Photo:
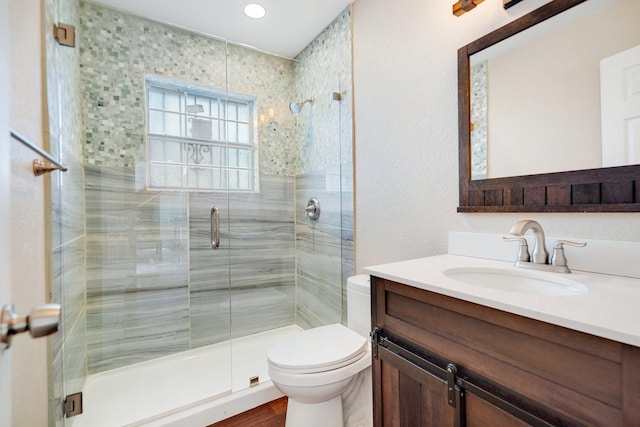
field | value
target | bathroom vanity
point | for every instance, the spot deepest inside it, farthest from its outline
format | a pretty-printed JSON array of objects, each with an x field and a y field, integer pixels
[{"x": 449, "y": 352}]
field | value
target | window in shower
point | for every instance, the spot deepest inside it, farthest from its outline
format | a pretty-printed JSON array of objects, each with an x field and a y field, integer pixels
[{"x": 199, "y": 138}]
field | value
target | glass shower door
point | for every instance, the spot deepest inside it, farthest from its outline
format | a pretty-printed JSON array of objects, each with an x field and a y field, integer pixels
[
  {"x": 146, "y": 305},
  {"x": 262, "y": 153}
]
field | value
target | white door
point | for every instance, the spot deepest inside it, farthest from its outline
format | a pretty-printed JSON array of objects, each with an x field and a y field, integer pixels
[
  {"x": 23, "y": 368},
  {"x": 620, "y": 104},
  {"x": 5, "y": 290}
]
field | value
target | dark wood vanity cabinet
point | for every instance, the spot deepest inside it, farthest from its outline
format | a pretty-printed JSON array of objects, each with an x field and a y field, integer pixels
[{"x": 504, "y": 369}]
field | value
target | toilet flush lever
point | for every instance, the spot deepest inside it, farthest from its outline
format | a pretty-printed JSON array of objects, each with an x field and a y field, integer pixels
[{"x": 42, "y": 321}]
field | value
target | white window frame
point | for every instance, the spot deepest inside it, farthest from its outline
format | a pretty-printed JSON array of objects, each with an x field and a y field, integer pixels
[{"x": 219, "y": 160}]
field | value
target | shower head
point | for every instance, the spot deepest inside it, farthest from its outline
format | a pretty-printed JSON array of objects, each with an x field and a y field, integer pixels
[{"x": 296, "y": 107}]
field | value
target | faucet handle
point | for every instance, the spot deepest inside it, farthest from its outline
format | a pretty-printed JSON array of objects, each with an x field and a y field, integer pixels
[
  {"x": 558, "y": 258},
  {"x": 523, "y": 249}
]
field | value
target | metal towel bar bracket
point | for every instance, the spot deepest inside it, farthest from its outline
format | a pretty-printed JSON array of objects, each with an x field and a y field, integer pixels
[{"x": 40, "y": 168}]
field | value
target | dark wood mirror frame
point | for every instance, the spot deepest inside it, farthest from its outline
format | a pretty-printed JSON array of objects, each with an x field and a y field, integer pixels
[{"x": 612, "y": 189}]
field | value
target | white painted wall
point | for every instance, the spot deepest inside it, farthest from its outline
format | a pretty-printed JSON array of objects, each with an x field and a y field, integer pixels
[
  {"x": 406, "y": 149},
  {"x": 5, "y": 279},
  {"x": 29, "y": 368}
]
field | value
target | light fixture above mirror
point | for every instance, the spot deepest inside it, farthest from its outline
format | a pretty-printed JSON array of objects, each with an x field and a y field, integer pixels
[{"x": 463, "y": 6}]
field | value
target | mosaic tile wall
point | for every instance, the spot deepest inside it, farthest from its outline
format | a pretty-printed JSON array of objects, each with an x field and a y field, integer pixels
[
  {"x": 479, "y": 97},
  {"x": 324, "y": 128},
  {"x": 117, "y": 49},
  {"x": 68, "y": 352}
]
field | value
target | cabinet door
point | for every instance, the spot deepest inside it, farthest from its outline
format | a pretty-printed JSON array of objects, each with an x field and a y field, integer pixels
[
  {"x": 481, "y": 413},
  {"x": 408, "y": 396}
]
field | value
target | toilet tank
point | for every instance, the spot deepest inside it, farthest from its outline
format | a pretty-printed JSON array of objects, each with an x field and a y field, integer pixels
[{"x": 359, "y": 304}]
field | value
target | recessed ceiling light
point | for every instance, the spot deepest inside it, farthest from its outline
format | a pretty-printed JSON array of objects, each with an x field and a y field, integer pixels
[{"x": 254, "y": 10}]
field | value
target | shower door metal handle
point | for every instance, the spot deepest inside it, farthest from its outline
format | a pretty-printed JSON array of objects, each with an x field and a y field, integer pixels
[{"x": 215, "y": 227}]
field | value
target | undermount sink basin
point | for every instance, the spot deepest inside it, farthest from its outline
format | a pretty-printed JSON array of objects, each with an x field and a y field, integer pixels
[{"x": 527, "y": 282}]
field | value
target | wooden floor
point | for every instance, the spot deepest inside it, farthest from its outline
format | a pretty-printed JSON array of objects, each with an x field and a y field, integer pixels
[{"x": 270, "y": 414}]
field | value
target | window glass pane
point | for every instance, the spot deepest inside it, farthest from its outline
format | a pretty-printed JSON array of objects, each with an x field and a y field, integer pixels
[
  {"x": 156, "y": 177},
  {"x": 167, "y": 176},
  {"x": 215, "y": 130},
  {"x": 222, "y": 109},
  {"x": 207, "y": 122},
  {"x": 201, "y": 128},
  {"x": 243, "y": 158},
  {"x": 156, "y": 149},
  {"x": 205, "y": 178},
  {"x": 232, "y": 132},
  {"x": 243, "y": 133},
  {"x": 214, "y": 107},
  {"x": 224, "y": 178},
  {"x": 243, "y": 113},
  {"x": 206, "y": 106},
  {"x": 155, "y": 98},
  {"x": 244, "y": 182},
  {"x": 205, "y": 155},
  {"x": 172, "y": 124},
  {"x": 192, "y": 105},
  {"x": 190, "y": 153},
  {"x": 233, "y": 179},
  {"x": 223, "y": 131},
  {"x": 192, "y": 177},
  {"x": 223, "y": 157},
  {"x": 215, "y": 156},
  {"x": 232, "y": 111},
  {"x": 233, "y": 157},
  {"x": 172, "y": 101},
  {"x": 173, "y": 152},
  {"x": 156, "y": 122}
]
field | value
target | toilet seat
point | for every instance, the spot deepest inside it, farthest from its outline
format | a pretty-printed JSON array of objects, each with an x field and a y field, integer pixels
[{"x": 318, "y": 350}]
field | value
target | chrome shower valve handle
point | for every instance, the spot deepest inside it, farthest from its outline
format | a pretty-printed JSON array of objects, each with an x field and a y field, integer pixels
[{"x": 312, "y": 211}]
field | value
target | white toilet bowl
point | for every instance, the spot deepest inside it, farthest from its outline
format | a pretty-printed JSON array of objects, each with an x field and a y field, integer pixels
[{"x": 314, "y": 368}]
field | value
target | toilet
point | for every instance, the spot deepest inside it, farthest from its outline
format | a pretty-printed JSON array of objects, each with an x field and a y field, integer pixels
[{"x": 326, "y": 371}]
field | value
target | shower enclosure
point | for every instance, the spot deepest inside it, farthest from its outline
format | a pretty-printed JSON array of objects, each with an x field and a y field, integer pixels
[{"x": 174, "y": 140}]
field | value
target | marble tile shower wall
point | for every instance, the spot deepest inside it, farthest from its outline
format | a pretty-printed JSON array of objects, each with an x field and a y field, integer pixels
[
  {"x": 68, "y": 354},
  {"x": 324, "y": 249},
  {"x": 155, "y": 286}
]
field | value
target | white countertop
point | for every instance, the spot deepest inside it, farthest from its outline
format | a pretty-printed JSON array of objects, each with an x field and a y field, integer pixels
[{"x": 610, "y": 308}]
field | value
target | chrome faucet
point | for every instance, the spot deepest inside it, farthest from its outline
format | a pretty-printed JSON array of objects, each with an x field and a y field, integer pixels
[{"x": 539, "y": 258}]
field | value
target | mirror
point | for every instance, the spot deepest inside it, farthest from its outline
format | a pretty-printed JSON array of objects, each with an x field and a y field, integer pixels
[{"x": 530, "y": 111}]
